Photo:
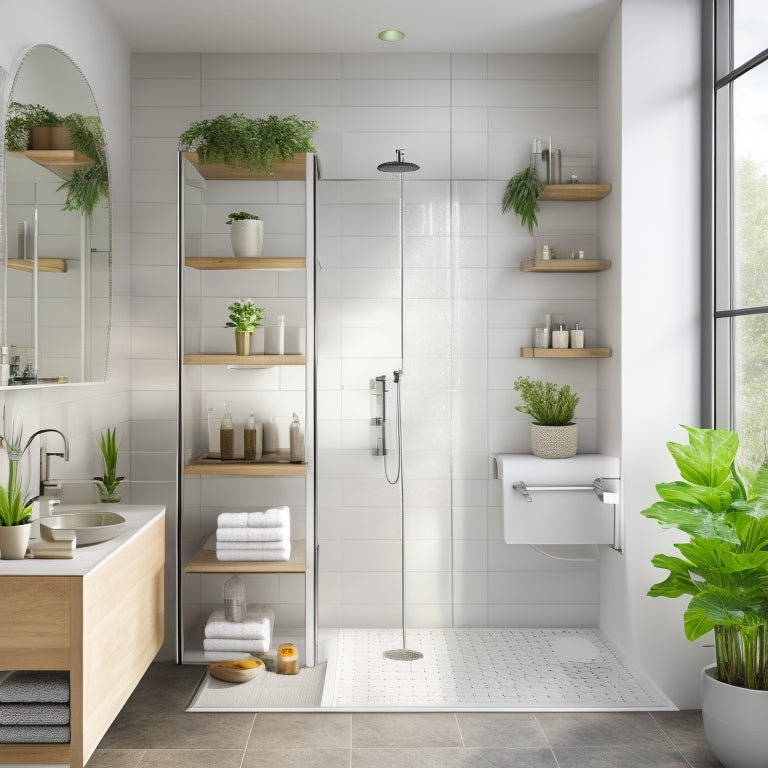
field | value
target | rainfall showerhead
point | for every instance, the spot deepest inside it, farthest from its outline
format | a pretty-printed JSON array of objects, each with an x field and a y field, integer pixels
[{"x": 399, "y": 165}]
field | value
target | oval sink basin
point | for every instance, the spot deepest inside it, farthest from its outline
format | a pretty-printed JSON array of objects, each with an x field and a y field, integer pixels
[{"x": 89, "y": 527}]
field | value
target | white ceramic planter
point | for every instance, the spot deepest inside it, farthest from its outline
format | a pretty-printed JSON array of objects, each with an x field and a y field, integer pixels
[
  {"x": 554, "y": 442},
  {"x": 247, "y": 235},
  {"x": 734, "y": 722},
  {"x": 13, "y": 541}
]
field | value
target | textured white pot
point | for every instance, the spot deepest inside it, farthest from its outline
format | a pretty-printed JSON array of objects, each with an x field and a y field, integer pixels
[
  {"x": 553, "y": 442},
  {"x": 735, "y": 722},
  {"x": 14, "y": 540},
  {"x": 247, "y": 236}
]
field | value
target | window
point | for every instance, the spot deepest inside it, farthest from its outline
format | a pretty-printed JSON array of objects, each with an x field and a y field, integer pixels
[{"x": 741, "y": 224}]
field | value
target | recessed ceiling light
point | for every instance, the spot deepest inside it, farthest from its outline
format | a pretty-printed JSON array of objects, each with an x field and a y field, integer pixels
[{"x": 391, "y": 35}]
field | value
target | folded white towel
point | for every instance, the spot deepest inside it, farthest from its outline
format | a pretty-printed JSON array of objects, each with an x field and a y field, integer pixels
[
  {"x": 260, "y": 546},
  {"x": 257, "y": 625},
  {"x": 253, "y": 534},
  {"x": 243, "y": 646},
  {"x": 274, "y": 517},
  {"x": 254, "y": 555}
]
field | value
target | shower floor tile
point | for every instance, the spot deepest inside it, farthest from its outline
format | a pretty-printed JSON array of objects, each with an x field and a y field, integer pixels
[{"x": 506, "y": 669}]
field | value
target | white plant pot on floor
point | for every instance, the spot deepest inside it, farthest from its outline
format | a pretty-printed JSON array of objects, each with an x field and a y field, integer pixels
[
  {"x": 247, "y": 235},
  {"x": 554, "y": 442},
  {"x": 735, "y": 722}
]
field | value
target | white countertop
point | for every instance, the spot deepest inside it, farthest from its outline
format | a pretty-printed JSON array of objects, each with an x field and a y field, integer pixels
[{"x": 87, "y": 559}]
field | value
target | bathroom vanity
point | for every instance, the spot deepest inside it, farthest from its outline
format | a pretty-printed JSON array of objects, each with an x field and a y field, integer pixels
[{"x": 98, "y": 615}]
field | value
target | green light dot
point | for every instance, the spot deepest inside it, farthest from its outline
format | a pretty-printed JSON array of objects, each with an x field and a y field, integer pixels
[{"x": 391, "y": 35}]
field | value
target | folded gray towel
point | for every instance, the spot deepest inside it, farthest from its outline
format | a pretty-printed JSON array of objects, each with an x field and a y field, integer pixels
[
  {"x": 35, "y": 688},
  {"x": 34, "y": 734},
  {"x": 34, "y": 714}
]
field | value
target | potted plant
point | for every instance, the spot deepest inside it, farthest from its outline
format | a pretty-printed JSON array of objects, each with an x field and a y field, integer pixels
[
  {"x": 723, "y": 567},
  {"x": 27, "y": 126},
  {"x": 108, "y": 483},
  {"x": 522, "y": 194},
  {"x": 553, "y": 433},
  {"x": 247, "y": 234},
  {"x": 250, "y": 142},
  {"x": 15, "y": 514},
  {"x": 245, "y": 317}
]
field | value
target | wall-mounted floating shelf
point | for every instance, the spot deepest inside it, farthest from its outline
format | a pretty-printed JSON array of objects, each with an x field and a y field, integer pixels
[
  {"x": 232, "y": 262},
  {"x": 215, "y": 466},
  {"x": 256, "y": 361},
  {"x": 205, "y": 562},
  {"x": 288, "y": 170},
  {"x": 62, "y": 162},
  {"x": 575, "y": 192},
  {"x": 43, "y": 265},
  {"x": 587, "y": 352},
  {"x": 565, "y": 265}
]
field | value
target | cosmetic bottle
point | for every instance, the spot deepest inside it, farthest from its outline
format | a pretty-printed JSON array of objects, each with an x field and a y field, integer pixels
[
  {"x": 577, "y": 337},
  {"x": 296, "y": 440},
  {"x": 214, "y": 425},
  {"x": 227, "y": 436},
  {"x": 249, "y": 438},
  {"x": 560, "y": 336}
]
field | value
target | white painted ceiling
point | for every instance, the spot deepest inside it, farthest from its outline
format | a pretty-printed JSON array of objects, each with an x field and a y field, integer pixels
[{"x": 457, "y": 26}]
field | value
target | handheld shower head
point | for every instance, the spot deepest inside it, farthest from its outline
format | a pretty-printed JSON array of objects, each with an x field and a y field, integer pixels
[{"x": 399, "y": 165}]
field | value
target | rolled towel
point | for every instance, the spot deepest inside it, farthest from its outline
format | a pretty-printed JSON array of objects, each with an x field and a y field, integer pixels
[
  {"x": 34, "y": 687},
  {"x": 253, "y": 534},
  {"x": 34, "y": 734},
  {"x": 257, "y": 625},
  {"x": 254, "y": 554},
  {"x": 261, "y": 546},
  {"x": 242, "y": 646},
  {"x": 274, "y": 517},
  {"x": 34, "y": 714}
]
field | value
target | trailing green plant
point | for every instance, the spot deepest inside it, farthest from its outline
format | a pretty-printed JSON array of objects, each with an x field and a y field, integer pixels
[
  {"x": 251, "y": 142},
  {"x": 20, "y": 118},
  {"x": 87, "y": 186},
  {"x": 13, "y": 510},
  {"x": 110, "y": 480},
  {"x": 545, "y": 402},
  {"x": 521, "y": 195},
  {"x": 241, "y": 216},
  {"x": 724, "y": 565},
  {"x": 244, "y": 316}
]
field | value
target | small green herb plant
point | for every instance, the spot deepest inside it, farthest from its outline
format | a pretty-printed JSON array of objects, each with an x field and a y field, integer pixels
[
  {"x": 110, "y": 480},
  {"x": 22, "y": 117},
  {"x": 251, "y": 142},
  {"x": 545, "y": 402},
  {"x": 244, "y": 316},
  {"x": 13, "y": 511},
  {"x": 241, "y": 216},
  {"x": 522, "y": 195}
]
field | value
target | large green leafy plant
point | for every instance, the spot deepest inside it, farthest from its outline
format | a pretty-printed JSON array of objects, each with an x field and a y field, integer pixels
[
  {"x": 522, "y": 195},
  {"x": 20, "y": 118},
  {"x": 724, "y": 565},
  {"x": 545, "y": 402},
  {"x": 250, "y": 142}
]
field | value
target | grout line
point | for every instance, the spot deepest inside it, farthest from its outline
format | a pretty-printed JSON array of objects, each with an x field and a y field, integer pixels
[
  {"x": 546, "y": 738},
  {"x": 458, "y": 725},
  {"x": 670, "y": 739},
  {"x": 247, "y": 741}
]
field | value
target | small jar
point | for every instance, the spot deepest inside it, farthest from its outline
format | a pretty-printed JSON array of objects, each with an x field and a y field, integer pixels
[
  {"x": 287, "y": 662},
  {"x": 560, "y": 337},
  {"x": 541, "y": 338}
]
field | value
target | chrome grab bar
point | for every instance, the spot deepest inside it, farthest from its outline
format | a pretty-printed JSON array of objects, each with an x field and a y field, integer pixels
[{"x": 604, "y": 495}]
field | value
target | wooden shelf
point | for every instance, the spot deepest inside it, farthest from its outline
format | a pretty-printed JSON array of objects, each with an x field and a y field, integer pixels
[
  {"x": 43, "y": 265},
  {"x": 588, "y": 352},
  {"x": 232, "y": 262},
  {"x": 289, "y": 170},
  {"x": 35, "y": 753},
  {"x": 575, "y": 192},
  {"x": 269, "y": 467},
  {"x": 62, "y": 162},
  {"x": 565, "y": 265},
  {"x": 205, "y": 562},
  {"x": 247, "y": 360}
]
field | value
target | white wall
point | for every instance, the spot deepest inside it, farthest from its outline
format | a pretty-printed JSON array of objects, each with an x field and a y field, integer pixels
[{"x": 655, "y": 45}]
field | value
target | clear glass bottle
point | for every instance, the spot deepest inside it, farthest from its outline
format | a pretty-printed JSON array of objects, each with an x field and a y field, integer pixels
[
  {"x": 227, "y": 436},
  {"x": 296, "y": 441},
  {"x": 249, "y": 438},
  {"x": 235, "y": 603}
]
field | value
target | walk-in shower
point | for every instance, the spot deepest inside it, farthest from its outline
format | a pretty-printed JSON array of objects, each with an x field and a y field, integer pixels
[{"x": 400, "y": 166}]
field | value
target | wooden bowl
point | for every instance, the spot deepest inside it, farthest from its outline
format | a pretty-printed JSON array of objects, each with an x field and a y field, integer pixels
[{"x": 236, "y": 671}]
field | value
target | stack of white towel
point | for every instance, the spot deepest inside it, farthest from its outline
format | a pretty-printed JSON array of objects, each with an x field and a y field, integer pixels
[
  {"x": 254, "y": 535},
  {"x": 252, "y": 635}
]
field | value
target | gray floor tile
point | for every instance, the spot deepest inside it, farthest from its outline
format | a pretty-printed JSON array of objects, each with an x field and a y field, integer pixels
[
  {"x": 512, "y": 758},
  {"x": 685, "y": 728},
  {"x": 701, "y": 757},
  {"x": 500, "y": 729},
  {"x": 115, "y": 758},
  {"x": 619, "y": 757},
  {"x": 192, "y": 758},
  {"x": 405, "y": 729},
  {"x": 297, "y": 758},
  {"x": 601, "y": 729},
  {"x": 450, "y": 757},
  {"x": 288, "y": 730}
]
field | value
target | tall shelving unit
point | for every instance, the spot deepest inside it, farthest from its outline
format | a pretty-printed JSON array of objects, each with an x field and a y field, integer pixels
[{"x": 202, "y": 478}]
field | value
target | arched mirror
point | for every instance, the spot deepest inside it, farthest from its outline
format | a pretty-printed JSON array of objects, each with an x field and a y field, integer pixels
[{"x": 56, "y": 227}]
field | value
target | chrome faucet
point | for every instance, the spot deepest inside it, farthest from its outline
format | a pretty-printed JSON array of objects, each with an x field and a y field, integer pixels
[{"x": 45, "y": 456}]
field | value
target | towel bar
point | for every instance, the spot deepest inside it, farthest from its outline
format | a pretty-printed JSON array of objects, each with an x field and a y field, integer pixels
[{"x": 597, "y": 486}]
